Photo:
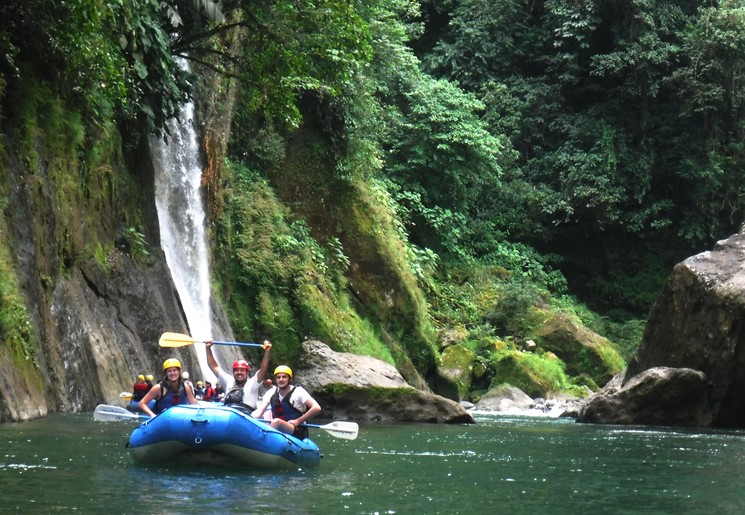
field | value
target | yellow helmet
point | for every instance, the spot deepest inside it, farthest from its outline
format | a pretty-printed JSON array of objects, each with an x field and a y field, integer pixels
[
  {"x": 140, "y": 377},
  {"x": 283, "y": 369},
  {"x": 170, "y": 363},
  {"x": 149, "y": 377}
]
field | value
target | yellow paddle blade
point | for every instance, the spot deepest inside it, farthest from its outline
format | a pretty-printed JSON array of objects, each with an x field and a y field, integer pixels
[{"x": 176, "y": 340}]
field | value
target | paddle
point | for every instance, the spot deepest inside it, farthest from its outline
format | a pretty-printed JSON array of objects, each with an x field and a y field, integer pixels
[
  {"x": 182, "y": 340},
  {"x": 339, "y": 429},
  {"x": 107, "y": 413},
  {"x": 126, "y": 395}
]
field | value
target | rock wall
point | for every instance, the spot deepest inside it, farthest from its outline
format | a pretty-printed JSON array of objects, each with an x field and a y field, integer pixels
[{"x": 96, "y": 313}]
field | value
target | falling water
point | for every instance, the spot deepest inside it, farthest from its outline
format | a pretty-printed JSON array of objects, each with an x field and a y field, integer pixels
[{"x": 180, "y": 204}]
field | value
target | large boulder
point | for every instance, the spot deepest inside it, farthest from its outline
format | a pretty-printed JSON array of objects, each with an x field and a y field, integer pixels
[
  {"x": 696, "y": 324},
  {"x": 361, "y": 388},
  {"x": 648, "y": 399},
  {"x": 320, "y": 366},
  {"x": 583, "y": 351},
  {"x": 504, "y": 398},
  {"x": 453, "y": 375}
]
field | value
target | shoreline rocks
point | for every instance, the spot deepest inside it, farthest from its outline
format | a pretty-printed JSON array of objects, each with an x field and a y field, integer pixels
[
  {"x": 689, "y": 369},
  {"x": 509, "y": 400}
]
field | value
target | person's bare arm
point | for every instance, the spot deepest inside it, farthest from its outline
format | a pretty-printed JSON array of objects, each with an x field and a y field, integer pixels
[
  {"x": 267, "y": 346},
  {"x": 190, "y": 394},
  {"x": 211, "y": 361},
  {"x": 152, "y": 394},
  {"x": 313, "y": 409},
  {"x": 258, "y": 412}
]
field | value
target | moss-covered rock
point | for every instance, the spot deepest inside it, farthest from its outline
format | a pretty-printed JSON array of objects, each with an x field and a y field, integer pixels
[
  {"x": 454, "y": 372},
  {"x": 389, "y": 405},
  {"x": 364, "y": 388},
  {"x": 531, "y": 373},
  {"x": 277, "y": 280},
  {"x": 452, "y": 336},
  {"x": 582, "y": 350}
]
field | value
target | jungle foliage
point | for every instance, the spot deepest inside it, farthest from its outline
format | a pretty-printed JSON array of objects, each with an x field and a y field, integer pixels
[{"x": 627, "y": 120}]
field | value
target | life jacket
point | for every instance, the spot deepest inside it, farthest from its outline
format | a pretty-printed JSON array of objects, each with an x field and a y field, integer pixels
[
  {"x": 235, "y": 396},
  {"x": 286, "y": 411},
  {"x": 243, "y": 396},
  {"x": 170, "y": 398},
  {"x": 139, "y": 390}
]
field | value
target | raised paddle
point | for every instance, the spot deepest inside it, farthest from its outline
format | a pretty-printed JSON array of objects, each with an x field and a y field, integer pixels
[
  {"x": 182, "y": 340},
  {"x": 107, "y": 413}
]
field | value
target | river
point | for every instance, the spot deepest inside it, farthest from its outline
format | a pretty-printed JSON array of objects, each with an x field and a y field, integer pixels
[{"x": 69, "y": 463}]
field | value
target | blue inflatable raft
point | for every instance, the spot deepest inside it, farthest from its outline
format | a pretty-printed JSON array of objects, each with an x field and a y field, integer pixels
[{"x": 219, "y": 435}]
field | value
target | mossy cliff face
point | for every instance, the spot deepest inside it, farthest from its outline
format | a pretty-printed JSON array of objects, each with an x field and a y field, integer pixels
[
  {"x": 379, "y": 277},
  {"x": 85, "y": 292}
]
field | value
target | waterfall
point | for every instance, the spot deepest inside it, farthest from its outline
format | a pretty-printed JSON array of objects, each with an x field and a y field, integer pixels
[{"x": 181, "y": 215}]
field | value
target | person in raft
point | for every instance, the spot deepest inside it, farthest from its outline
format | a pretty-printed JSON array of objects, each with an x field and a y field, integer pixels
[
  {"x": 209, "y": 393},
  {"x": 139, "y": 389},
  {"x": 291, "y": 405},
  {"x": 172, "y": 390},
  {"x": 240, "y": 389},
  {"x": 199, "y": 391}
]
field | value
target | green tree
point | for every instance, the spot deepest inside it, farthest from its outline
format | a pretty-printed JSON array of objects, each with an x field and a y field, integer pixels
[
  {"x": 626, "y": 117},
  {"x": 109, "y": 58},
  {"x": 445, "y": 161},
  {"x": 709, "y": 87}
]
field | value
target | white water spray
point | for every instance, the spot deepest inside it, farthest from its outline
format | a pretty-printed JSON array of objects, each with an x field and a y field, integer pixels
[{"x": 181, "y": 215}]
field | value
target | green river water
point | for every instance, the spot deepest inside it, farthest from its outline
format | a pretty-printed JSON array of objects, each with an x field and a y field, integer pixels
[{"x": 68, "y": 463}]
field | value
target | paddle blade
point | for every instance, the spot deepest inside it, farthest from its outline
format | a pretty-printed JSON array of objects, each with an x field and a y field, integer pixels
[
  {"x": 182, "y": 340},
  {"x": 106, "y": 413},
  {"x": 340, "y": 429},
  {"x": 126, "y": 395},
  {"x": 176, "y": 340}
]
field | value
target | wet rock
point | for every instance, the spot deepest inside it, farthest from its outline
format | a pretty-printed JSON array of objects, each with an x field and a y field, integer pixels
[
  {"x": 660, "y": 396},
  {"x": 582, "y": 350},
  {"x": 361, "y": 388},
  {"x": 504, "y": 398},
  {"x": 690, "y": 366}
]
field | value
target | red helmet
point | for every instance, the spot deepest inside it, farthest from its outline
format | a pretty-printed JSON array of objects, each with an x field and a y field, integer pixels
[{"x": 241, "y": 363}]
